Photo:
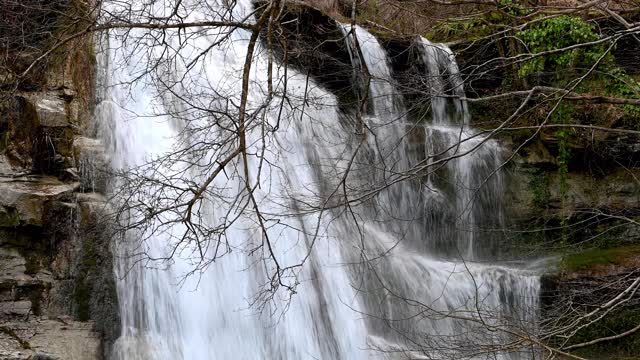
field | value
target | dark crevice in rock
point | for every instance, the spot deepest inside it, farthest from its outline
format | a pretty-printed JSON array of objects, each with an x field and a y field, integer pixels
[{"x": 311, "y": 42}]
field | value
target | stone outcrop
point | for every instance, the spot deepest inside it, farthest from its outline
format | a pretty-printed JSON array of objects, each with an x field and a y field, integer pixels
[
  {"x": 57, "y": 291},
  {"x": 313, "y": 43},
  {"x": 55, "y": 269},
  {"x": 58, "y": 339}
]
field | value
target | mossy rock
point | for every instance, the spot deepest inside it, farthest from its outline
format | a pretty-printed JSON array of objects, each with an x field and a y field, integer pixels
[
  {"x": 594, "y": 259},
  {"x": 9, "y": 217}
]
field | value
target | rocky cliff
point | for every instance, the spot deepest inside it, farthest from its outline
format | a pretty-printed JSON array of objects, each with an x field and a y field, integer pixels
[{"x": 57, "y": 294}]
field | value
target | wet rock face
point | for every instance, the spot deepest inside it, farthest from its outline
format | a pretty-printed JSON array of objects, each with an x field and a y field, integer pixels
[
  {"x": 55, "y": 258},
  {"x": 57, "y": 339},
  {"x": 38, "y": 130},
  {"x": 312, "y": 43},
  {"x": 22, "y": 198},
  {"x": 57, "y": 291},
  {"x": 92, "y": 164},
  {"x": 53, "y": 139},
  {"x": 55, "y": 263}
]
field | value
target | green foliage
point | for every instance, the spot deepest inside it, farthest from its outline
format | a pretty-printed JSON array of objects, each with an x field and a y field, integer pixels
[
  {"x": 590, "y": 258},
  {"x": 513, "y": 8},
  {"x": 563, "y": 115},
  {"x": 557, "y": 33},
  {"x": 472, "y": 29},
  {"x": 614, "y": 82},
  {"x": 622, "y": 85},
  {"x": 475, "y": 28},
  {"x": 539, "y": 185}
]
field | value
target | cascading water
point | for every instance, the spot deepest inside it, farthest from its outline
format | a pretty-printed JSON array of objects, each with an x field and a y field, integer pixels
[
  {"x": 208, "y": 315},
  {"x": 474, "y": 189},
  {"x": 447, "y": 311},
  {"x": 377, "y": 277}
]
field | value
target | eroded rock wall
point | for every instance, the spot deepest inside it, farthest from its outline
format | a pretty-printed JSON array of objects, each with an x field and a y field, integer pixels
[{"x": 57, "y": 291}]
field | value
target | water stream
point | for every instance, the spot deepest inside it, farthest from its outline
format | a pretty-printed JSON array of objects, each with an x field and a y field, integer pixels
[{"x": 399, "y": 269}]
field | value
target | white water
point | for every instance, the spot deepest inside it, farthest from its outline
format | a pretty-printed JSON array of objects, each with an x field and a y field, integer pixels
[
  {"x": 209, "y": 315},
  {"x": 454, "y": 297},
  {"x": 475, "y": 187},
  {"x": 339, "y": 310}
]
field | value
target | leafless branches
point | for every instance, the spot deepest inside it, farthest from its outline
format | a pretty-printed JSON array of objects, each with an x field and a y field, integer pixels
[{"x": 224, "y": 175}]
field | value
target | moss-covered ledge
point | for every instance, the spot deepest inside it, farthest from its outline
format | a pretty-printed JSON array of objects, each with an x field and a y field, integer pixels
[{"x": 586, "y": 281}]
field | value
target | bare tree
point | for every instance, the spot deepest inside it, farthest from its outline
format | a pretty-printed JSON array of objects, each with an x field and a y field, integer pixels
[{"x": 225, "y": 168}]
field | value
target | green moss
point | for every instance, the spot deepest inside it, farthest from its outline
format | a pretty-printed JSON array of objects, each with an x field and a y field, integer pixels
[
  {"x": 82, "y": 297},
  {"x": 84, "y": 286},
  {"x": 8, "y": 331},
  {"x": 9, "y": 217},
  {"x": 594, "y": 257},
  {"x": 91, "y": 53},
  {"x": 539, "y": 185},
  {"x": 34, "y": 263}
]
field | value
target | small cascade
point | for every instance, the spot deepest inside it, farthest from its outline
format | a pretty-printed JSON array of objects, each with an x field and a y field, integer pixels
[
  {"x": 387, "y": 103},
  {"x": 148, "y": 302},
  {"x": 444, "y": 79},
  {"x": 423, "y": 251},
  {"x": 471, "y": 179},
  {"x": 388, "y": 138}
]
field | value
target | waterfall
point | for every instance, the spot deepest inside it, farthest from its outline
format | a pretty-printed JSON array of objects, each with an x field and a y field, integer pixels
[
  {"x": 378, "y": 276},
  {"x": 460, "y": 292},
  {"x": 473, "y": 189},
  {"x": 210, "y": 314}
]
